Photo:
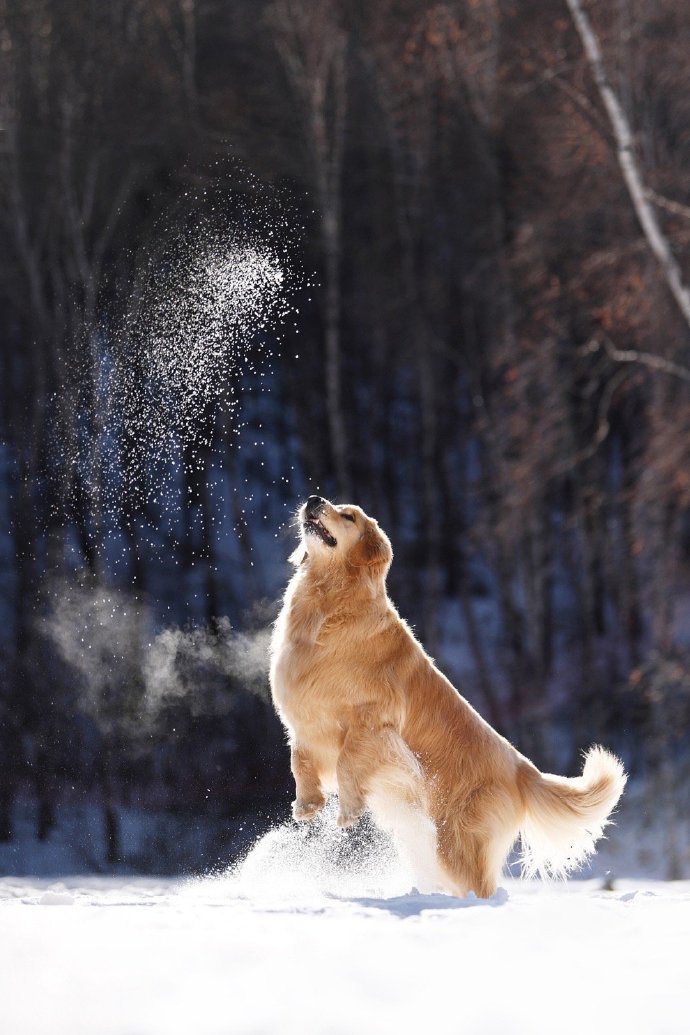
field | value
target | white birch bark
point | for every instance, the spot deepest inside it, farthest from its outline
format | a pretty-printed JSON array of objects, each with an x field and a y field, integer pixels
[{"x": 639, "y": 195}]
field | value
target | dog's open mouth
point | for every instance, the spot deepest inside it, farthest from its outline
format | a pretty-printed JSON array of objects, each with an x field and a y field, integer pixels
[{"x": 312, "y": 526}]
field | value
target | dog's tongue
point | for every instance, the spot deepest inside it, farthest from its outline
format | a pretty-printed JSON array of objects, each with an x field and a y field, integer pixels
[{"x": 323, "y": 532}]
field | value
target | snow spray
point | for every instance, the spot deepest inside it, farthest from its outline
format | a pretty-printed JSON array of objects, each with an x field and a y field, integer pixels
[
  {"x": 152, "y": 401},
  {"x": 155, "y": 388}
]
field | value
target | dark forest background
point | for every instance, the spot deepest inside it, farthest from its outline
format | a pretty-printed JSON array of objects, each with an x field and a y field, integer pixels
[{"x": 483, "y": 351}]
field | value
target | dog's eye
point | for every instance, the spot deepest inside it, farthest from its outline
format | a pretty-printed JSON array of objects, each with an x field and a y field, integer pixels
[{"x": 348, "y": 517}]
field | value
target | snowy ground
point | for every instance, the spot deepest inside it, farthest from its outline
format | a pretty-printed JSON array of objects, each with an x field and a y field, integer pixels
[{"x": 307, "y": 936}]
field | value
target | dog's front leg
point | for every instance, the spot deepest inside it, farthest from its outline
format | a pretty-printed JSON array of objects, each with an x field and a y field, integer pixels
[
  {"x": 309, "y": 797},
  {"x": 358, "y": 760}
]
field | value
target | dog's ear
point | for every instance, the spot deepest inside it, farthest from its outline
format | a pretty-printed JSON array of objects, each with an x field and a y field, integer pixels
[
  {"x": 373, "y": 550},
  {"x": 298, "y": 556}
]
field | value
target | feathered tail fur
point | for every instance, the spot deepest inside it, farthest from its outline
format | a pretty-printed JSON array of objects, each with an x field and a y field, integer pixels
[{"x": 566, "y": 817}]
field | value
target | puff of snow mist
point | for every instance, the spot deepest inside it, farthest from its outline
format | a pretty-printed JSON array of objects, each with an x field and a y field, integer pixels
[{"x": 194, "y": 664}]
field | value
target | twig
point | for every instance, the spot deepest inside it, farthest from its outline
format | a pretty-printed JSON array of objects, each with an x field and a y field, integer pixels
[
  {"x": 676, "y": 207},
  {"x": 646, "y": 359}
]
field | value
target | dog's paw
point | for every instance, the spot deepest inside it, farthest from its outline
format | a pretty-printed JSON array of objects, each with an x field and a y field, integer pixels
[
  {"x": 348, "y": 817},
  {"x": 303, "y": 811}
]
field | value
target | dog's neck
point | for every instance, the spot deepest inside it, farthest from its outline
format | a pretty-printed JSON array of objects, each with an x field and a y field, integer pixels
[
  {"x": 323, "y": 593},
  {"x": 339, "y": 586}
]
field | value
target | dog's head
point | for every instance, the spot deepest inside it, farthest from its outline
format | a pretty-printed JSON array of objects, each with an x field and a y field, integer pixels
[{"x": 342, "y": 535}]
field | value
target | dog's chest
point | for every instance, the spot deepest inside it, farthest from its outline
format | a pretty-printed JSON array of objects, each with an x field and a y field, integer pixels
[
  {"x": 300, "y": 677},
  {"x": 307, "y": 678}
]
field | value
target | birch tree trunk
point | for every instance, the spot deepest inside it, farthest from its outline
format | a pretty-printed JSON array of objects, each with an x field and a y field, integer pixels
[{"x": 625, "y": 148}]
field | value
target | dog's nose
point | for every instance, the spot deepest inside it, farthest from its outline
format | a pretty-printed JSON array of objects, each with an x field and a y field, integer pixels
[{"x": 314, "y": 503}]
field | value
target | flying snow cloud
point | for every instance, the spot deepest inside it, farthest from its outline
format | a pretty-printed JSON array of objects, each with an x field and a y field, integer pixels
[
  {"x": 200, "y": 327},
  {"x": 162, "y": 382}
]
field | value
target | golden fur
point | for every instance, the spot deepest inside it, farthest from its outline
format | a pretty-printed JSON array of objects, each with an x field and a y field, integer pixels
[{"x": 368, "y": 714}]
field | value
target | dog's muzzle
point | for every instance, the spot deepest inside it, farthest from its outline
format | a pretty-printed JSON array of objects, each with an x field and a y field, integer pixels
[
  {"x": 314, "y": 506},
  {"x": 312, "y": 523}
]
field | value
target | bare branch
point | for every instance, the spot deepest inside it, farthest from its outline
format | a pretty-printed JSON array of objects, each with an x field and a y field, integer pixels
[
  {"x": 603, "y": 428},
  {"x": 675, "y": 207},
  {"x": 646, "y": 359}
]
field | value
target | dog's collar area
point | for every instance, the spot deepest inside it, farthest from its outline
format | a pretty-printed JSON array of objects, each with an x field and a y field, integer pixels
[{"x": 312, "y": 526}]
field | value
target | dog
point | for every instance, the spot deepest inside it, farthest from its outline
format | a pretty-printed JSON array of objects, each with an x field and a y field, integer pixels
[{"x": 369, "y": 715}]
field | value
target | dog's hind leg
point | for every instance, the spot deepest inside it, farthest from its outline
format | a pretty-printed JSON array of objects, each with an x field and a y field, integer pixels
[
  {"x": 463, "y": 859},
  {"x": 473, "y": 844}
]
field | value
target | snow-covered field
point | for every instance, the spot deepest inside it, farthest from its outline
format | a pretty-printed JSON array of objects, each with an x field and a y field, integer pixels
[{"x": 307, "y": 936}]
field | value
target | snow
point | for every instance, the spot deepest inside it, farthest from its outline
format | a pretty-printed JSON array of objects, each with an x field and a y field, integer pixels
[{"x": 311, "y": 936}]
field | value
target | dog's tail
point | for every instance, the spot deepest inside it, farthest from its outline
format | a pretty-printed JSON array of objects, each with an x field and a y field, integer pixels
[{"x": 564, "y": 818}]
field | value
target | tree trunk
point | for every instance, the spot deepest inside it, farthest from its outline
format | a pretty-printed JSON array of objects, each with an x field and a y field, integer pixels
[
  {"x": 328, "y": 147},
  {"x": 625, "y": 148},
  {"x": 112, "y": 834},
  {"x": 111, "y": 820},
  {"x": 313, "y": 49}
]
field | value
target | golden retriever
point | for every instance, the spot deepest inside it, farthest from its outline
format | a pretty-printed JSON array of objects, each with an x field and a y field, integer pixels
[{"x": 368, "y": 714}]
